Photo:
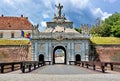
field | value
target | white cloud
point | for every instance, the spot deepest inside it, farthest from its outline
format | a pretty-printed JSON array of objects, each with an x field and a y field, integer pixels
[
  {"x": 80, "y": 4},
  {"x": 105, "y": 15},
  {"x": 7, "y": 1},
  {"x": 98, "y": 12},
  {"x": 43, "y": 24},
  {"x": 45, "y": 16},
  {"x": 40, "y": 11},
  {"x": 10, "y": 2},
  {"x": 74, "y": 3}
]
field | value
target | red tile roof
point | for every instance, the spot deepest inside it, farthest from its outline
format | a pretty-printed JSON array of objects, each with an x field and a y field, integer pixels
[{"x": 15, "y": 23}]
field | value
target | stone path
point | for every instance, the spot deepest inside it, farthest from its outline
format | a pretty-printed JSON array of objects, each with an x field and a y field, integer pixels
[
  {"x": 59, "y": 59},
  {"x": 39, "y": 77},
  {"x": 63, "y": 69},
  {"x": 60, "y": 73}
]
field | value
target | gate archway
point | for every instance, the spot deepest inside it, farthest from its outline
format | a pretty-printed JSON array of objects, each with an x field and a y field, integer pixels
[
  {"x": 41, "y": 57},
  {"x": 59, "y": 58},
  {"x": 77, "y": 57}
]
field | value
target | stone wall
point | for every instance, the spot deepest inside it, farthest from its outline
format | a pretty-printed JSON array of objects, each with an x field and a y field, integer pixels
[
  {"x": 15, "y": 53},
  {"x": 17, "y": 33},
  {"x": 108, "y": 53}
]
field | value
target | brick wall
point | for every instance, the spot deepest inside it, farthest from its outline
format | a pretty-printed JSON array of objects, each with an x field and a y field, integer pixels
[
  {"x": 108, "y": 53},
  {"x": 14, "y": 53}
]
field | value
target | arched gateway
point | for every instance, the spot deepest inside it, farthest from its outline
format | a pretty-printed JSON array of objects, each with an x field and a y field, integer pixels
[
  {"x": 57, "y": 57},
  {"x": 60, "y": 39}
]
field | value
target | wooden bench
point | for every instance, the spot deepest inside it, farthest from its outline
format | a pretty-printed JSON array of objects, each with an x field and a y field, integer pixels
[
  {"x": 101, "y": 65},
  {"x": 9, "y": 65},
  {"x": 81, "y": 63},
  {"x": 92, "y": 64},
  {"x": 95, "y": 64},
  {"x": 47, "y": 62},
  {"x": 72, "y": 62},
  {"x": 111, "y": 64},
  {"x": 30, "y": 65}
]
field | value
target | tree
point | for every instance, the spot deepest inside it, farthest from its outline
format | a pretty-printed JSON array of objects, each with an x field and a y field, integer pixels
[
  {"x": 78, "y": 29},
  {"x": 109, "y": 27},
  {"x": 95, "y": 31}
]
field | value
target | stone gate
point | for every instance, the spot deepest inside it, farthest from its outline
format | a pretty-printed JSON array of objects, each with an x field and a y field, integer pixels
[{"x": 60, "y": 34}]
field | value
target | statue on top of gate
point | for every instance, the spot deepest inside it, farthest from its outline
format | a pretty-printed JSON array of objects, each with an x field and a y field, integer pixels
[{"x": 59, "y": 7}]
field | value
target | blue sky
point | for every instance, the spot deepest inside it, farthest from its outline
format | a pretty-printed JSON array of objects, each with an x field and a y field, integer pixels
[{"x": 78, "y": 11}]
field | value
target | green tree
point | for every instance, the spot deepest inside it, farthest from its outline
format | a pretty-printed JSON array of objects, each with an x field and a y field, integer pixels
[
  {"x": 95, "y": 31},
  {"x": 78, "y": 29},
  {"x": 110, "y": 27}
]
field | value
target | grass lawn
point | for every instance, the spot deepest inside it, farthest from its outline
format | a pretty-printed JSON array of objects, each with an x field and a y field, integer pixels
[
  {"x": 13, "y": 42},
  {"x": 105, "y": 40}
]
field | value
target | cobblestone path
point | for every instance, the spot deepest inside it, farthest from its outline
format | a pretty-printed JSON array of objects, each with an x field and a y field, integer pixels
[
  {"x": 63, "y": 69},
  {"x": 60, "y": 73},
  {"x": 39, "y": 77}
]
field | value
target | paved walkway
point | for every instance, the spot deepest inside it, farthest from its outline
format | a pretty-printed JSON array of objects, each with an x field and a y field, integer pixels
[
  {"x": 60, "y": 73},
  {"x": 59, "y": 59},
  {"x": 63, "y": 69},
  {"x": 39, "y": 77}
]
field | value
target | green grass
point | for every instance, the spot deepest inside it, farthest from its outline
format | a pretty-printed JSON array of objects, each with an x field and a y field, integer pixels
[
  {"x": 13, "y": 42},
  {"x": 105, "y": 40}
]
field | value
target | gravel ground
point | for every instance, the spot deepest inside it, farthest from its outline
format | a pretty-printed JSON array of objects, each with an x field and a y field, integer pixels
[
  {"x": 45, "y": 77},
  {"x": 63, "y": 69},
  {"x": 61, "y": 73}
]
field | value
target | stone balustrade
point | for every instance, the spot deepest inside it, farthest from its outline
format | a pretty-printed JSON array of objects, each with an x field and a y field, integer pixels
[{"x": 61, "y": 35}]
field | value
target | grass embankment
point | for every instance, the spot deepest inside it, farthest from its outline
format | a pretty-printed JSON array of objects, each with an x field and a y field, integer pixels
[
  {"x": 105, "y": 40},
  {"x": 13, "y": 42}
]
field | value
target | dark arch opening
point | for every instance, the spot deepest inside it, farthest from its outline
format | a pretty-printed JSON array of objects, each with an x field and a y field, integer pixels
[
  {"x": 41, "y": 57},
  {"x": 54, "y": 56},
  {"x": 78, "y": 57}
]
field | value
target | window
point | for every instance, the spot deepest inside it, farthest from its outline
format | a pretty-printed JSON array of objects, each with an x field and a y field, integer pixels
[
  {"x": 1, "y": 35},
  {"x": 12, "y": 35}
]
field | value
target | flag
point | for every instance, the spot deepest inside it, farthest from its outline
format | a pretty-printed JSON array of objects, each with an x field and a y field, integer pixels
[
  {"x": 22, "y": 33},
  {"x": 25, "y": 35}
]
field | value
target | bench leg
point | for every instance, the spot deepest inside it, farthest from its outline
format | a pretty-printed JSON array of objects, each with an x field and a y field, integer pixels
[
  {"x": 2, "y": 68},
  {"x": 94, "y": 67},
  {"x": 12, "y": 67},
  {"x": 30, "y": 68},
  {"x": 103, "y": 69},
  {"x": 34, "y": 66},
  {"x": 87, "y": 65},
  {"x": 23, "y": 69},
  {"x": 111, "y": 65},
  {"x": 82, "y": 64}
]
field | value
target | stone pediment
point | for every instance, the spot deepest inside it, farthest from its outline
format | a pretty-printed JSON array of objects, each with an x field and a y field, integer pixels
[{"x": 60, "y": 29}]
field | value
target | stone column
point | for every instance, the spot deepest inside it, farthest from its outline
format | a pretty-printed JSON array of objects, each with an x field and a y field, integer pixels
[
  {"x": 72, "y": 51},
  {"x": 49, "y": 52},
  {"x": 68, "y": 52},
  {"x": 83, "y": 52},
  {"x": 87, "y": 51},
  {"x": 33, "y": 51},
  {"x": 35, "y": 55},
  {"x": 46, "y": 50}
]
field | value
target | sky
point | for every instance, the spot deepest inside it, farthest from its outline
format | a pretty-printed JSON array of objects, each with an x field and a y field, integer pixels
[{"x": 77, "y": 11}]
